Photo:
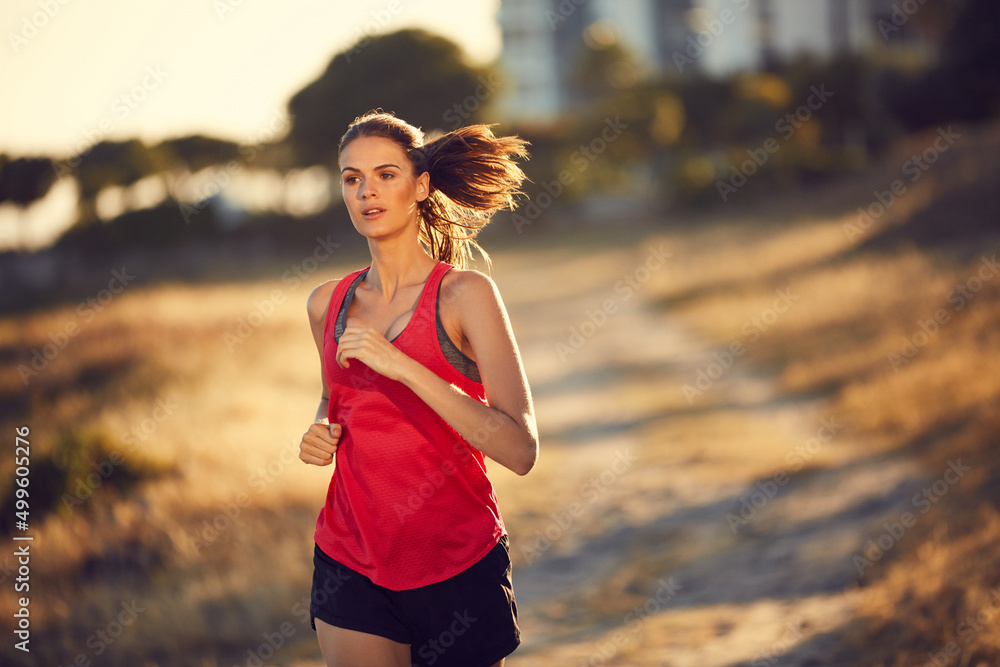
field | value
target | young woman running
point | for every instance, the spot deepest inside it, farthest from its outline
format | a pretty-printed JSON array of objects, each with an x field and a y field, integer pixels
[{"x": 422, "y": 379}]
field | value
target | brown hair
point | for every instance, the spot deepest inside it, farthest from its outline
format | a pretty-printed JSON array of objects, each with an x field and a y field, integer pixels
[{"x": 472, "y": 176}]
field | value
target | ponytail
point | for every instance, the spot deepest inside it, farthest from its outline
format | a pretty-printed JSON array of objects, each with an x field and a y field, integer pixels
[{"x": 472, "y": 176}]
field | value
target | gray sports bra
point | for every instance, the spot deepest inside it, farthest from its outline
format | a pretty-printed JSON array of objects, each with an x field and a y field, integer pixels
[{"x": 455, "y": 356}]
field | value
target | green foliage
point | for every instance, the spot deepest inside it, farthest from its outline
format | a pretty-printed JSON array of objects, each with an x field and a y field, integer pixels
[
  {"x": 113, "y": 163},
  {"x": 81, "y": 465},
  {"x": 707, "y": 103},
  {"x": 683, "y": 135},
  {"x": 846, "y": 113},
  {"x": 195, "y": 152},
  {"x": 157, "y": 227},
  {"x": 107, "y": 164},
  {"x": 25, "y": 180},
  {"x": 965, "y": 86},
  {"x": 418, "y": 76},
  {"x": 602, "y": 71}
]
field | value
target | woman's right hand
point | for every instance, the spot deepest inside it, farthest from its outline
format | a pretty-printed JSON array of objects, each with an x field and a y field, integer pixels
[{"x": 319, "y": 444}]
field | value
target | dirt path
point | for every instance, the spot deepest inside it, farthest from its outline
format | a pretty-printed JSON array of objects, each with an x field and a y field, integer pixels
[
  {"x": 664, "y": 528},
  {"x": 681, "y": 532}
]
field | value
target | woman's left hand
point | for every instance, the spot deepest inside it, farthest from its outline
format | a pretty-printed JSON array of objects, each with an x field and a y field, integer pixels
[{"x": 372, "y": 349}]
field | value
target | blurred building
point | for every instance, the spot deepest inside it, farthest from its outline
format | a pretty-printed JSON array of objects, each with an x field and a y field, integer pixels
[{"x": 544, "y": 40}]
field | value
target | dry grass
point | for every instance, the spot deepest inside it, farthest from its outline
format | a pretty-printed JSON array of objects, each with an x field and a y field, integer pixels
[{"x": 941, "y": 405}]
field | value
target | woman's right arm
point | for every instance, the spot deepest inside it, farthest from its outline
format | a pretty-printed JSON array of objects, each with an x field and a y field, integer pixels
[{"x": 319, "y": 443}]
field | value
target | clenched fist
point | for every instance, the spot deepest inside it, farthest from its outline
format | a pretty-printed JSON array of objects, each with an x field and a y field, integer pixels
[{"x": 319, "y": 444}]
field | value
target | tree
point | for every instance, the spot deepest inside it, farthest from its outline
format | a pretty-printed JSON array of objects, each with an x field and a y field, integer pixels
[
  {"x": 970, "y": 52},
  {"x": 195, "y": 152},
  {"x": 420, "y": 77},
  {"x": 110, "y": 163},
  {"x": 602, "y": 69},
  {"x": 965, "y": 86},
  {"x": 25, "y": 180}
]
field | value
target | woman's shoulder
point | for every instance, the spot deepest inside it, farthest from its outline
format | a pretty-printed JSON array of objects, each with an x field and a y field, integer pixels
[
  {"x": 466, "y": 287},
  {"x": 319, "y": 300},
  {"x": 473, "y": 298},
  {"x": 320, "y": 297}
]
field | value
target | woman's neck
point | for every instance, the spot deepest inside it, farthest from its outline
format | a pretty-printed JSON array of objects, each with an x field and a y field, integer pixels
[{"x": 397, "y": 263}]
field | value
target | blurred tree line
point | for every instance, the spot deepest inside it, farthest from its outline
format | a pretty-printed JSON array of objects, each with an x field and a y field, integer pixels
[
  {"x": 704, "y": 140},
  {"x": 687, "y": 135}
]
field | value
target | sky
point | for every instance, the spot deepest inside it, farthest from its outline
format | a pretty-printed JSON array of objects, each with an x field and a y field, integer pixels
[{"x": 73, "y": 71}]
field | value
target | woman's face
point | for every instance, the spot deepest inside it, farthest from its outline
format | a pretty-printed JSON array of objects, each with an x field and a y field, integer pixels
[{"x": 380, "y": 190}]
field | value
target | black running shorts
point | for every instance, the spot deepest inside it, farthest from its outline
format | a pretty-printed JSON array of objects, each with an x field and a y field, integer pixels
[{"x": 469, "y": 620}]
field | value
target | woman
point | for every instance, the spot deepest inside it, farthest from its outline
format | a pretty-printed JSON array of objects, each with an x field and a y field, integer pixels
[{"x": 421, "y": 380}]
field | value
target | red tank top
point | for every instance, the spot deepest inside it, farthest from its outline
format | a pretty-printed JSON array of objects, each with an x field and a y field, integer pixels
[{"x": 409, "y": 503}]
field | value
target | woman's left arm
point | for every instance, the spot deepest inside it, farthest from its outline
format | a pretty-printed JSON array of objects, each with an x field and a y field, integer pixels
[{"x": 505, "y": 429}]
